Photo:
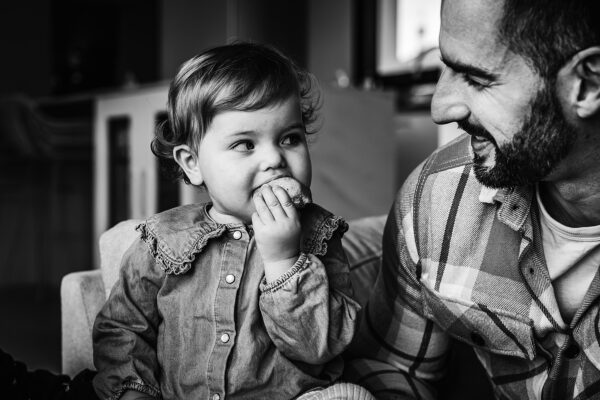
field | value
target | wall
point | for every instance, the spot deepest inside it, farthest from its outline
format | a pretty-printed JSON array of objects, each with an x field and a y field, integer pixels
[
  {"x": 55, "y": 47},
  {"x": 283, "y": 24},
  {"x": 329, "y": 38},
  {"x": 26, "y": 39},
  {"x": 154, "y": 37},
  {"x": 103, "y": 44},
  {"x": 190, "y": 26},
  {"x": 354, "y": 153},
  {"x": 45, "y": 195}
]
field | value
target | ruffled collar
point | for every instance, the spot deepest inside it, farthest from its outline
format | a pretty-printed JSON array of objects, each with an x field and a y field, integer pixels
[{"x": 175, "y": 237}]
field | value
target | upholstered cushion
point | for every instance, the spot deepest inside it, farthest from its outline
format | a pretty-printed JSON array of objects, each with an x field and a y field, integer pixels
[
  {"x": 362, "y": 244},
  {"x": 113, "y": 243},
  {"x": 82, "y": 295}
]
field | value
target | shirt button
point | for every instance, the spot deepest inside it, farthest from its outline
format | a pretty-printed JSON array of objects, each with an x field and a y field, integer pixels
[
  {"x": 216, "y": 396},
  {"x": 230, "y": 278},
  {"x": 572, "y": 351},
  {"x": 237, "y": 235},
  {"x": 477, "y": 339},
  {"x": 225, "y": 338}
]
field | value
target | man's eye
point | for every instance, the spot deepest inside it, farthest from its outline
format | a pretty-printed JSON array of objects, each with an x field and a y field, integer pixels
[
  {"x": 473, "y": 82},
  {"x": 292, "y": 139},
  {"x": 243, "y": 146}
]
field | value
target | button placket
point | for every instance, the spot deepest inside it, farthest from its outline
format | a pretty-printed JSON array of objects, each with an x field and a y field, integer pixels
[
  {"x": 230, "y": 270},
  {"x": 572, "y": 349}
]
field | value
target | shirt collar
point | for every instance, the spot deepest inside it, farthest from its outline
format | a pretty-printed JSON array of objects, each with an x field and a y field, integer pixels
[
  {"x": 176, "y": 236},
  {"x": 515, "y": 204}
]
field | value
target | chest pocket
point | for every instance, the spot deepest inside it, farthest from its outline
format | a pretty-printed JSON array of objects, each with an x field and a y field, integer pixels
[{"x": 488, "y": 329}]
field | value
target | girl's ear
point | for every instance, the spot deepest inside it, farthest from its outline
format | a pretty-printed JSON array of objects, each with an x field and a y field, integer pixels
[
  {"x": 585, "y": 93},
  {"x": 186, "y": 158}
]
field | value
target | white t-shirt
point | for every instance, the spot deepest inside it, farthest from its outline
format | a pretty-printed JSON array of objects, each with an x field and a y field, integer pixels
[{"x": 572, "y": 257}]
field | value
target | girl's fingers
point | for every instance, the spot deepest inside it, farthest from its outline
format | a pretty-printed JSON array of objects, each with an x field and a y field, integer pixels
[
  {"x": 273, "y": 202},
  {"x": 286, "y": 202},
  {"x": 256, "y": 219},
  {"x": 262, "y": 209}
]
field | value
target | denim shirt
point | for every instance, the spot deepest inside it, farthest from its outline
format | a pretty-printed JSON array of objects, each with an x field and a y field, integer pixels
[{"x": 192, "y": 316}]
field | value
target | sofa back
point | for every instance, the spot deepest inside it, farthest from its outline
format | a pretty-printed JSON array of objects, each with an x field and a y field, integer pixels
[{"x": 112, "y": 245}]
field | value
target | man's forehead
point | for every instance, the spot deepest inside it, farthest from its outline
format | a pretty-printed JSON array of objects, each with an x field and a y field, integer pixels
[
  {"x": 471, "y": 16},
  {"x": 469, "y": 33}
]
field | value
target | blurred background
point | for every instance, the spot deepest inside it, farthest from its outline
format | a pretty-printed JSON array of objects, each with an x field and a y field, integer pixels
[{"x": 84, "y": 82}]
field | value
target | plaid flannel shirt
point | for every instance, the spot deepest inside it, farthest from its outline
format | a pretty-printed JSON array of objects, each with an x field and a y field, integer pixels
[{"x": 466, "y": 263}]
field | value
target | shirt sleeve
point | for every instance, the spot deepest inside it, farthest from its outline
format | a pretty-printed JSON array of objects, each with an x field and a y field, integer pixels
[
  {"x": 125, "y": 330},
  {"x": 309, "y": 312},
  {"x": 398, "y": 353}
]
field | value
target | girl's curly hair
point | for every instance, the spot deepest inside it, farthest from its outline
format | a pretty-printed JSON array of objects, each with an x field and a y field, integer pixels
[{"x": 242, "y": 76}]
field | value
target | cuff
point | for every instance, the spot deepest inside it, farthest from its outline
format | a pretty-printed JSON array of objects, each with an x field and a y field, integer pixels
[
  {"x": 301, "y": 264},
  {"x": 138, "y": 386}
]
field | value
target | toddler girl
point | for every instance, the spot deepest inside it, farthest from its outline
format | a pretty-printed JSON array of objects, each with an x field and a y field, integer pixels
[{"x": 246, "y": 296}]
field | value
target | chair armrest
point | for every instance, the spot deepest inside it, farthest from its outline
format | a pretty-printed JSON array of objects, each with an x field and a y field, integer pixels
[{"x": 82, "y": 296}]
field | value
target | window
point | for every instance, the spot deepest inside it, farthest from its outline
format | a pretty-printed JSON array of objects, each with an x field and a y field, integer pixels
[{"x": 407, "y": 38}]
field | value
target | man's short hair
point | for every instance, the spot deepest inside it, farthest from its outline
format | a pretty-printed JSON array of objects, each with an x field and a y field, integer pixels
[{"x": 549, "y": 32}]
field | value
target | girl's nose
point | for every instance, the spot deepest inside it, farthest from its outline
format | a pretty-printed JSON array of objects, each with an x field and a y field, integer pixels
[{"x": 272, "y": 158}]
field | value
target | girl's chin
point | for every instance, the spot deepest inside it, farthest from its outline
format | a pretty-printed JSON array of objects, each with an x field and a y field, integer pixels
[{"x": 227, "y": 218}]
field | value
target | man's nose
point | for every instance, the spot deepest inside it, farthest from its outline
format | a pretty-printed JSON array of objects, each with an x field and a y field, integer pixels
[{"x": 448, "y": 103}]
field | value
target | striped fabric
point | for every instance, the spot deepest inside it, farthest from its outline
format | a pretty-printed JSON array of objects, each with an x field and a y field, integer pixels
[{"x": 461, "y": 265}]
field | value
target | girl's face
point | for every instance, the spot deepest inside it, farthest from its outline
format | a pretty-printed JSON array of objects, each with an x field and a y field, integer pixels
[{"x": 242, "y": 150}]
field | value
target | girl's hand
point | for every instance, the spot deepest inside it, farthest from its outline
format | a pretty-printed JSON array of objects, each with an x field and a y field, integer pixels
[
  {"x": 134, "y": 395},
  {"x": 276, "y": 225}
]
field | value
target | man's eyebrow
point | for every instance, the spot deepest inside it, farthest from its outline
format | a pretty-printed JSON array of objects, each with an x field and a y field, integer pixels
[{"x": 470, "y": 69}]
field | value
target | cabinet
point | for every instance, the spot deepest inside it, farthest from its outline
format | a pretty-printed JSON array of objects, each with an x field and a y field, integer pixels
[{"x": 127, "y": 180}]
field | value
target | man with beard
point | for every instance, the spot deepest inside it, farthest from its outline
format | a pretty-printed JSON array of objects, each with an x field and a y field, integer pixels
[{"x": 494, "y": 240}]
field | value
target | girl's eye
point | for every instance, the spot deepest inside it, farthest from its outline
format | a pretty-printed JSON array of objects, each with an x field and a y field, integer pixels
[
  {"x": 292, "y": 140},
  {"x": 243, "y": 146}
]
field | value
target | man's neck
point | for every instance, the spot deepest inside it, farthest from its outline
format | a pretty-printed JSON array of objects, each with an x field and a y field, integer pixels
[{"x": 572, "y": 204}]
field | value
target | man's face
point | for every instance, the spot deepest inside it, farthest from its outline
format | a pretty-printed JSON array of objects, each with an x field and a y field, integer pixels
[
  {"x": 544, "y": 139},
  {"x": 518, "y": 132}
]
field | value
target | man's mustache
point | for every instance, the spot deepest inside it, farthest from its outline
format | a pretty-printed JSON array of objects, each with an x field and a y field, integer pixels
[{"x": 475, "y": 130}]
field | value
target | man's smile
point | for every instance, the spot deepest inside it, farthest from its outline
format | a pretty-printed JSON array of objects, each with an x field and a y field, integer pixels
[{"x": 482, "y": 146}]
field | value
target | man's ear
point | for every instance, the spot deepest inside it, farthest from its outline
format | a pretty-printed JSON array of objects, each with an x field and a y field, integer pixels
[
  {"x": 585, "y": 96},
  {"x": 188, "y": 161}
]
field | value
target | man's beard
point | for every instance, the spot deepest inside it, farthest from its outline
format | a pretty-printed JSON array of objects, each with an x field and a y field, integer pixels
[{"x": 542, "y": 142}]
